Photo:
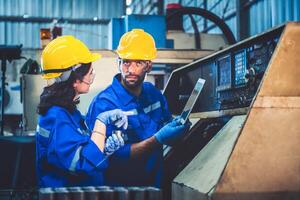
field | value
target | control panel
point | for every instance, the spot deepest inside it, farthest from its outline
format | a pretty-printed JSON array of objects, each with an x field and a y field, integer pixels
[
  {"x": 246, "y": 71},
  {"x": 232, "y": 75}
]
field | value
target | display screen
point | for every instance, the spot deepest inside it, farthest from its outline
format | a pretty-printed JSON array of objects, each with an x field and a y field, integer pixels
[{"x": 224, "y": 73}]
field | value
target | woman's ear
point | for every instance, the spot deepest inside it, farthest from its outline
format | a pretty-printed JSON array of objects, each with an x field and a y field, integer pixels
[{"x": 76, "y": 83}]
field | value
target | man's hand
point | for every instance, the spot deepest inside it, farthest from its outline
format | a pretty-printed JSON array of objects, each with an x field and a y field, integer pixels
[{"x": 171, "y": 131}]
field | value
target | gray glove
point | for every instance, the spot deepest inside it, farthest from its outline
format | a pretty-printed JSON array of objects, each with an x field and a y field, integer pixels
[
  {"x": 115, "y": 117},
  {"x": 113, "y": 143}
]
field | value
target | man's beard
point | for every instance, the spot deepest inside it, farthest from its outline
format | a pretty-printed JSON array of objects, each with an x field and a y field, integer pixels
[{"x": 133, "y": 81}]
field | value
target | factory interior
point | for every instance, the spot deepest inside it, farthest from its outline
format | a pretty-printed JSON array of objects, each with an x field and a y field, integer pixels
[{"x": 228, "y": 68}]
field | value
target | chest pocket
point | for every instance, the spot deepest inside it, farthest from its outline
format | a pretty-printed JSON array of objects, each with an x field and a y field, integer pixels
[{"x": 133, "y": 122}]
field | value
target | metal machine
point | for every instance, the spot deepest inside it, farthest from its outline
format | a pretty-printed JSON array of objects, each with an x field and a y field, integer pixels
[{"x": 244, "y": 143}]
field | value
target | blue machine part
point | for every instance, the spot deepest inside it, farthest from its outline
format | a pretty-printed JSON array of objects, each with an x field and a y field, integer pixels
[
  {"x": 153, "y": 24},
  {"x": 240, "y": 62}
]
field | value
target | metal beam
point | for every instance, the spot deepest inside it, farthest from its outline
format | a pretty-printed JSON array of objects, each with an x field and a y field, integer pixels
[
  {"x": 242, "y": 19},
  {"x": 50, "y": 20},
  {"x": 205, "y": 20},
  {"x": 160, "y": 7}
]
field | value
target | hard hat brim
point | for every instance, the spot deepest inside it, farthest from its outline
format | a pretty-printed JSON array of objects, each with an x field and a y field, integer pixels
[
  {"x": 92, "y": 58},
  {"x": 51, "y": 75},
  {"x": 95, "y": 56}
]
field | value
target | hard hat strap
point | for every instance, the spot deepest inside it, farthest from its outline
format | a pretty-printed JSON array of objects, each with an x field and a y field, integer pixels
[
  {"x": 63, "y": 77},
  {"x": 55, "y": 70},
  {"x": 65, "y": 73},
  {"x": 74, "y": 67}
]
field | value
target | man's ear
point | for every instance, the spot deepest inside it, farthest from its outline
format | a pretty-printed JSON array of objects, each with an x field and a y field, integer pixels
[
  {"x": 119, "y": 63},
  {"x": 149, "y": 67}
]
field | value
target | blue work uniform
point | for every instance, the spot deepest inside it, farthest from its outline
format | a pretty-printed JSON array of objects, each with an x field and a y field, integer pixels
[
  {"x": 150, "y": 112},
  {"x": 65, "y": 154}
]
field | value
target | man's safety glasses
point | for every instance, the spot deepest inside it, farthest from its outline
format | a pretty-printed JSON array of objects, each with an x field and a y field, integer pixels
[{"x": 138, "y": 63}]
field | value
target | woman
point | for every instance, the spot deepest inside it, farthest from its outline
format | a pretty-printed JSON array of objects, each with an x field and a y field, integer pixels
[{"x": 68, "y": 154}]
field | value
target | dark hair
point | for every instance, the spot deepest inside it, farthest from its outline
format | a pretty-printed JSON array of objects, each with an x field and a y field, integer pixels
[{"x": 62, "y": 93}]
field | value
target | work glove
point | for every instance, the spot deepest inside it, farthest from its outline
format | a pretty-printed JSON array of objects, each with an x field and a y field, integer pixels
[
  {"x": 172, "y": 131},
  {"x": 115, "y": 117},
  {"x": 113, "y": 143}
]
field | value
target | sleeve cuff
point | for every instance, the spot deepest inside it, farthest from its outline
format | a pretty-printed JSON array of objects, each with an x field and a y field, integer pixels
[
  {"x": 93, "y": 154},
  {"x": 123, "y": 154}
]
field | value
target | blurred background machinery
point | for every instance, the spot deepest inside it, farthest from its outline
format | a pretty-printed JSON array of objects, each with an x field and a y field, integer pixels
[{"x": 244, "y": 140}]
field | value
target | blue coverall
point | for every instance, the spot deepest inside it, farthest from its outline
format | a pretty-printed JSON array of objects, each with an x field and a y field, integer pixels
[
  {"x": 65, "y": 154},
  {"x": 150, "y": 114}
]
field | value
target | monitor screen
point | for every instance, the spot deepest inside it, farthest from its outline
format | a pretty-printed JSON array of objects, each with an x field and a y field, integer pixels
[{"x": 224, "y": 73}]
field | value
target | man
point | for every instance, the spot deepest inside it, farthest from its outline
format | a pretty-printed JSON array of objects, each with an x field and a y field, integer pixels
[{"x": 139, "y": 161}]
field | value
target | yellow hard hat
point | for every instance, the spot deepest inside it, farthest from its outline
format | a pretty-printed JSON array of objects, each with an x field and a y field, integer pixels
[
  {"x": 137, "y": 45},
  {"x": 64, "y": 52}
]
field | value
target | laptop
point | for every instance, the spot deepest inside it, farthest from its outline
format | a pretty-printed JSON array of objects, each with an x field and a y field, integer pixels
[{"x": 192, "y": 100}]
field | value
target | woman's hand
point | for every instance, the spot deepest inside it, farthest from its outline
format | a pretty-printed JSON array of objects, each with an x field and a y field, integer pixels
[
  {"x": 115, "y": 117},
  {"x": 113, "y": 143}
]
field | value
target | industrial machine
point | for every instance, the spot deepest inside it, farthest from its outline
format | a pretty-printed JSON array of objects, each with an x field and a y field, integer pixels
[{"x": 244, "y": 142}]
